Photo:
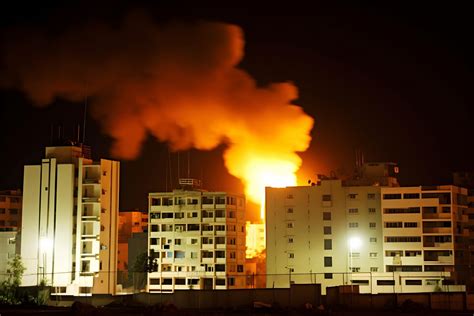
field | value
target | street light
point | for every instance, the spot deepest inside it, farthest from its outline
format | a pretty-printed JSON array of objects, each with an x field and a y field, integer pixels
[
  {"x": 45, "y": 245},
  {"x": 354, "y": 244}
]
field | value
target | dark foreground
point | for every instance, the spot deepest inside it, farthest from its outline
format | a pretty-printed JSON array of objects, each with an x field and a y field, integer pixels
[{"x": 85, "y": 309}]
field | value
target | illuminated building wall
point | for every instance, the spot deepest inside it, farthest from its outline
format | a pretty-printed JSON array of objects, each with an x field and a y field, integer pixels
[
  {"x": 198, "y": 240},
  {"x": 408, "y": 239},
  {"x": 255, "y": 239},
  {"x": 130, "y": 222},
  {"x": 69, "y": 227},
  {"x": 425, "y": 229},
  {"x": 10, "y": 210},
  {"x": 308, "y": 231}
]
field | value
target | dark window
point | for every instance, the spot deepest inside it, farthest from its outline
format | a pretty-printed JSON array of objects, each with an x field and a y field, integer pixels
[
  {"x": 180, "y": 281},
  {"x": 328, "y": 261},
  {"x": 328, "y": 275},
  {"x": 412, "y": 282},
  {"x": 154, "y": 281},
  {"x": 361, "y": 282},
  {"x": 385, "y": 282},
  {"x": 240, "y": 268},
  {"x": 327, "y": 197},
  {"x": 411, "y": 195},
  {"x": 327, "y": 230},
  {"x": 220, "y": 281},
  {"x": 167, "y": 281},
  {"x": 326, "y": 216},
  {"x": 392, "y": 196},
  {"x": 371, "y": 196},
  {"x": 401, "y": 210},
  {"x": 327, "y": 244},
  {"x": 220, "y": 267}
]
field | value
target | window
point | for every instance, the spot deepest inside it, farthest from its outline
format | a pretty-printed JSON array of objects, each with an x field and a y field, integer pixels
[
  {"x": 371, "y": 210},
  {"x": 354, "y": 254},
  {"x": 177, "y": 241},
  {"x": 371, "y": 196},
  {"x": 155, "y": 201},
  {"x": 328, "y": 261},
  {"x": 2, "y": 211},
  {"x": 193, "y": 241},
  {"x": 290, "y": 240},
  {"x": 393, "y": 224},
  {"x": 240, "y": 268},
  {"x": 167, "y": 201},
  {"x": 220, "y": 199},
  {"x": 355, "y": 269},
  {"x": 353, "y": 210},
  {"x": 220, "y": 213},
  {"x": 289, "y": 225},
  {"x": 410, "y": 224},
  {"x": 220, "y": 254},
  {"x": 411, "y": 195},
  {"x": 372, "y": 239},
  {"x": 374, "y": 269},
  {"x": 207, "y": 200},
  {"x": 328, "y": 275},
  {"x": 412, "y": 253},
  {"x": 154, "y": 228},
  {"x": 219, "y": 240},
  {"x": 167, "y": 215},
  {"x": 194, "y": 255},
  {"x": 231, "y": 214},
  {"x": 231, "y": 281},
  {"x": 372, "y": 225},
  {"x": 289, "y": 196},
  {"x": 413, "y": 282},
  {"x": 373, "y": 255},
  {"x": 232, "y": 255},
  {"x": 326, "y": 216},
  {"x": 13, "y": 211},
  {"x": 327, "y": 230},
  {"x": 289, "y": 210},
  {"x": 291, "y": 255},
  {"x": 393, "y": 196},
  {"x": 192, "y": 201},
  {"x": 352, "y": 196},
  {"x": 353, "y": 225},
  {"x": 179, "y": 254},
  {"x": 403, "y": 239},
  {"x": 327, "y": 244},
  {"x": 220, "y": 282},
  {"x": 326, "y": 198},
  {"x": 401, "y": 210}
]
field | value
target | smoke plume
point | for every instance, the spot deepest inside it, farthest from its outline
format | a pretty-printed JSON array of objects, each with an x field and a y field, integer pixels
[{"x": 177, "y": 82}]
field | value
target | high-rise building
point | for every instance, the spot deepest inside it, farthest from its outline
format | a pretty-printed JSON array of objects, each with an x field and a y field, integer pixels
[
  {"x": 70, "y": 221},
  {"x": 197, "y": 238},
  {"x": 10, "y": 210},
  {"x": 382, "y": 238}
]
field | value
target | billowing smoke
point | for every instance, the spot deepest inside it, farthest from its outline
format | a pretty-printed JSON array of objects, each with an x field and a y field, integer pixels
[{"x": 177, "y": 82}]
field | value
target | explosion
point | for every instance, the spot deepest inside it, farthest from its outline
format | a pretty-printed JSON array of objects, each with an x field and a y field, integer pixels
[{"x": 178, "y": 82}]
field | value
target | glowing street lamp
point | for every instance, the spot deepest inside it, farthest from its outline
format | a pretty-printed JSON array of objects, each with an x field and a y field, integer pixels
[
  {"x": 45, "y": 246},
  {"x": 354, "y": 244}
]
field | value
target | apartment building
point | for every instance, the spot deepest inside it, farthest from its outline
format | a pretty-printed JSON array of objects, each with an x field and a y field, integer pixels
[
  {"x": 10, "y": 210},
  {"x": 197, "y": 239},
  {"x": 425, "y": 230},
  {"x": 384, "y": 239},
  {"x": 70, "y": 220},
  {"x": 318, "y": 234}
]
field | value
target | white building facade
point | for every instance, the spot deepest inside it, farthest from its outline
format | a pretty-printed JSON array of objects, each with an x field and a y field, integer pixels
[
  {"x": 197, "y": 239},
  {"x": 69, "y": 226},
  {"x": 383, "y": 239}
]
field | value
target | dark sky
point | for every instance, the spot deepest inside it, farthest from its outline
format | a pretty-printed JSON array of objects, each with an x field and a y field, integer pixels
[{"x": 393, "y": 82}]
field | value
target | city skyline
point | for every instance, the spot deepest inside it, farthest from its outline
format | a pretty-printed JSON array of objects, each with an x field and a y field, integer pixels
[{"x": 390, "y": 83}]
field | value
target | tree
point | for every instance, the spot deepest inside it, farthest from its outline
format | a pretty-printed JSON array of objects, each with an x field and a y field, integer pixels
[{"x": 9, "y": 287}]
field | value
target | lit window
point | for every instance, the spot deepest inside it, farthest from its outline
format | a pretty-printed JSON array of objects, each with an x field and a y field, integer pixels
[
  {"x": 372, "y": 225},
  {"x": 353, "y": 225}
]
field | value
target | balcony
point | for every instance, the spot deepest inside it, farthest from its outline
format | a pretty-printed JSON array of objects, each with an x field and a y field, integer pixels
[
  {"x": 436, "y": 230},
  {"x": 436, "y": 215}
]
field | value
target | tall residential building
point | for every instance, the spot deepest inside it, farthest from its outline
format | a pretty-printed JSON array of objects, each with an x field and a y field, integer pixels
[
  {"x": 197, "y": 238},
  {"x": 130, "y": 222},
  {"x": 466, "y": 180},
  {"x": 425, "y": 230},
  {"x": 70, "y": 221},
  {"x": 383, "y": 238},
  {"x": 10, "y": 210}
]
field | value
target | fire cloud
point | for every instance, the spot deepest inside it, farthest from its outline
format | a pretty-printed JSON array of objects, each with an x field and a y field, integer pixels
[{"x": 177, "y": 82}]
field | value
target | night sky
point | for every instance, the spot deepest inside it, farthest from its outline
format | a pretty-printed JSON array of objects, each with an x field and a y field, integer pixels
[{"x": 395, "y": 83}]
